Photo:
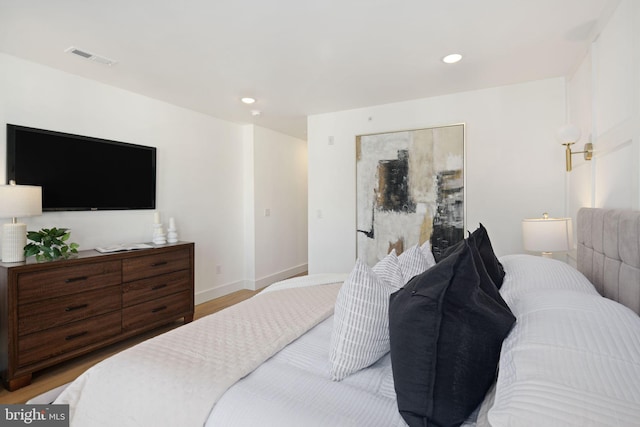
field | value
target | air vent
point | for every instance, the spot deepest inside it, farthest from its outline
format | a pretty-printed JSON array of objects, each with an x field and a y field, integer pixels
[{"x": 92, "y": 56}]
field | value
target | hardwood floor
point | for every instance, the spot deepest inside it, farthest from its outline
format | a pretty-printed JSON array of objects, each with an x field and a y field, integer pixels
[{"x": 55, "y": 376}]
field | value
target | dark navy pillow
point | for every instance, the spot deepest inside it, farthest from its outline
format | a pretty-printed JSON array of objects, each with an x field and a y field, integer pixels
[
  {"x": 446, "y": 333},
  {"x": 480, "y": 239}
]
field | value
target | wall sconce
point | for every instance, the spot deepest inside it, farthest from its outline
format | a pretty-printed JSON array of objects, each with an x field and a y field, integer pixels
[{"x": 568, "y": 135}]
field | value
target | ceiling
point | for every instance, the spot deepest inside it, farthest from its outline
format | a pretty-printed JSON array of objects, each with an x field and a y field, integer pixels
[{"x": 302, "y": 57}]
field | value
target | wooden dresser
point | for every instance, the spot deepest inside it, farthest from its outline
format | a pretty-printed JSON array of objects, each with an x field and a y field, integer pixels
[{"x": 53, "y": 311}]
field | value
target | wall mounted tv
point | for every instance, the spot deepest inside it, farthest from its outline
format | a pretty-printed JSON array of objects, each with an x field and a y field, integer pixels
[{"x": 80, "y": 172}]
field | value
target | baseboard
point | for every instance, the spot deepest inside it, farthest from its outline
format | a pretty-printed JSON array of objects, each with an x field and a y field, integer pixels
[
  {"x": 281, "y": 275},
  {"x": 220, "y": 291},
  {"x": 252, "y": 285}
]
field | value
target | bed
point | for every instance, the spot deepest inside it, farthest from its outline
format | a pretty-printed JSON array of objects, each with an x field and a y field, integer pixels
[{"x": 351, "y": 350}]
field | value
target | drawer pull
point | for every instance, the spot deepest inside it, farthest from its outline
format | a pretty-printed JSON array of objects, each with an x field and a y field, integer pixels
[
  {"x": 155, "y": 310},
  {"x": 158, "y": 264},
  {"x": 76, "y": 307},
  {"x": 76, "y": 279},
  {"x": 74, "y": 336},
  {"x": 155, "y": 288}
]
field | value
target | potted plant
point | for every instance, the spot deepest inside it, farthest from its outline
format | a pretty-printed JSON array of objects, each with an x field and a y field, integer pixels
[{"x": 49, "y": 244}]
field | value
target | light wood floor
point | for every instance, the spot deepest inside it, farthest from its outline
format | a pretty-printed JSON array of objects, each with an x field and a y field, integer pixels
[{"x": 55, "y": 376}]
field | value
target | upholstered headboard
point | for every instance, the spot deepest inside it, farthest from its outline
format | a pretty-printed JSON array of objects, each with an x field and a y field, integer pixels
[{"x": 609, "y": 253}]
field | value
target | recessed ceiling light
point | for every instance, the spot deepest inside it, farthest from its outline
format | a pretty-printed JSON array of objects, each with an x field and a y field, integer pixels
[
  {"x": 452, "y": 59},
  {"x": 248, "y": 100}
]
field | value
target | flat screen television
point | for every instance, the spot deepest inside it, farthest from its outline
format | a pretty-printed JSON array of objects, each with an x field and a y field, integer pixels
[{"x": 80, "y": 172}]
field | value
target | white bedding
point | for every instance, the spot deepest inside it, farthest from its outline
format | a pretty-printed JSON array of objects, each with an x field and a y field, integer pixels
[
  {"x": 294, "y": 389},
  {"x": 175, "y": 378},
  {"x": 573, "y": 358}
]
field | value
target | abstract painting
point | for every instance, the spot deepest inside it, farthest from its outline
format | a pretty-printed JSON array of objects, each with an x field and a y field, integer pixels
[{"x": 410, "y": 189}]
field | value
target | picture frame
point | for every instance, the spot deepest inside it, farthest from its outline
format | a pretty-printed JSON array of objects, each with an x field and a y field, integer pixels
[{"x": 410, "y": 189}]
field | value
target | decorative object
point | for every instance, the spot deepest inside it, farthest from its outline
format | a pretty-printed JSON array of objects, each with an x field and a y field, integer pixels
[
  {"x": 547, "y": 235},
  {"x": 409, "y": 189},
  {"x": 568, "y": 135},
  {"x": 172, "y": 233},
  {"x": 159, "y": 237},
  {"x": 17, "y": 201},
  {"x": 50, "y": 244}
]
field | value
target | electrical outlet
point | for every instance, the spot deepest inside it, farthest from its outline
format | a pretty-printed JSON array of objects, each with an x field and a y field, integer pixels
[{"x": 218, "y": 269}]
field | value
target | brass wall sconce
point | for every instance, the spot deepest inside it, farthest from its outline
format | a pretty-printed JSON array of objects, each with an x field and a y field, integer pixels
[{"x": 568, "y": 135}]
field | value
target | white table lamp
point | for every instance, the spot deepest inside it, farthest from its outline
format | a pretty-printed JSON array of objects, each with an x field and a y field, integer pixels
[
  {"x": 547, "y": 235},
  {"x": 17, "y": 201}
]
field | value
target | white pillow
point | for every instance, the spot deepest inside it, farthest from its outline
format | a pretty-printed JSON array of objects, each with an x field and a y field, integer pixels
[
  {"x": 361, "y": 320},
  {"x": 572, "y": 359},
  {"x": 529, "y": 273},
  {"x": 426, "y": 251},
  {"x": 413, "y": 262}
]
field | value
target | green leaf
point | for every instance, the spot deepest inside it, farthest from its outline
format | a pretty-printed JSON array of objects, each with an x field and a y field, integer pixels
[
  {"x": 31, "y": 250},
  {"x": 66, "y": 236},
  {"x": 34, "y": 235}
]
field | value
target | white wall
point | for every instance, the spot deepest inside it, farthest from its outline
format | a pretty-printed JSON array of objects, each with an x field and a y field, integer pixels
[
  {"x": 603, "y": 99},
  {"x": 276, "y": 214},
  {"x": 514, "y": 166},
  {"x": 201, "y": 172}
]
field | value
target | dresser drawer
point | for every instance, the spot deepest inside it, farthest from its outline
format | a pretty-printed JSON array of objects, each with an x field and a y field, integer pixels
[
  {"x": 155, "y": 287},
  {"x": 40, "y": 285},
  {"x": 156, "y": 311},
  {"x": 153, "y": 265},
  {"x": 53, "y": 312},
  {"x": 52, "y": 342}
]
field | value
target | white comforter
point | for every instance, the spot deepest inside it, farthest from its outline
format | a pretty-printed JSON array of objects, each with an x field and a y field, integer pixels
[
  {"x": 186, "y": 370},
  {"x": 294, "y": 389}
]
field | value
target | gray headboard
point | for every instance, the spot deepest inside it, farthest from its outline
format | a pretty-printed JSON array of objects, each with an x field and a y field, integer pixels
[{"x": 609, "y": 253}]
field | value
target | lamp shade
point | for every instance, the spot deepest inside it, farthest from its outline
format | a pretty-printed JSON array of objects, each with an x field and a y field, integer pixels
[
  {"x": 547, "y": 234},
  {"x": 568, "y": 133},
  {"x": 20, "y": 201}
]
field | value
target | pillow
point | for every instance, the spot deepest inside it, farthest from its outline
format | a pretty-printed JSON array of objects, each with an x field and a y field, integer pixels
[
  {"x": 480, "y": 238},
  {"x": 486, "y": 284},
  {"x": 428, "y": 254},
  {"x": 529, "y": 273},
  {"x": 572, "y": 359},
  {"x": 446, "y": 334},
  {"x": 361, "y": 320},
  {"x": 451, "y": 249},
  {"x": 412, "y": 262}
]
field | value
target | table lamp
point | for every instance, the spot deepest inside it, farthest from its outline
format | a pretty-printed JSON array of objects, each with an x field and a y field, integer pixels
[
  {"x": 547, "y": 235},
  {"x": 17, "y": 201}
]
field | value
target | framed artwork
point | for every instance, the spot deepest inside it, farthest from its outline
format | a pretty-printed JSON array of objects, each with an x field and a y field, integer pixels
[{"x": 410, "y": 189}]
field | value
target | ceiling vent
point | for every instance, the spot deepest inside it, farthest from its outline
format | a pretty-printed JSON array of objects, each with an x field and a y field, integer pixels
[{"x": 92, "y": 56}]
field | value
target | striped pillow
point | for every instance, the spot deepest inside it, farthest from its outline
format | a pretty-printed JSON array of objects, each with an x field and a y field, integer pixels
[
  {"x": 413, "y": 262},
  {"x": 426, "y": 251},
  {"x": 361, "y": 321}
]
